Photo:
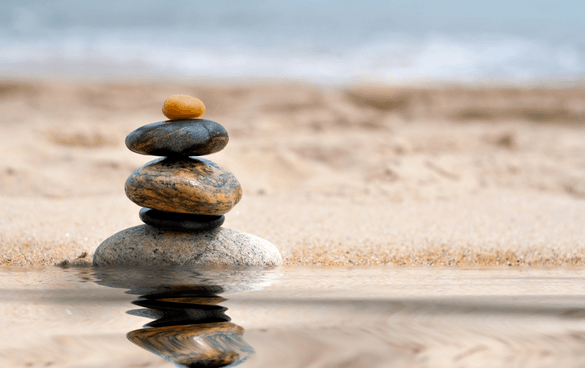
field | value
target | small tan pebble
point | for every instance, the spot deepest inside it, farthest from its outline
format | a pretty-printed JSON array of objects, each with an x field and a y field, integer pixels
[{"x": 183, "y": 107}]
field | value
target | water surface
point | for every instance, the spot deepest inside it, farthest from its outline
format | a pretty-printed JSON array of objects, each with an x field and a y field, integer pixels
[{"x": 292, "y": 317}]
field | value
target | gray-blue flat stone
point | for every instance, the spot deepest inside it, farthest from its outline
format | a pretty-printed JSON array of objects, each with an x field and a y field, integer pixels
[{"x": 194, "y": 137}]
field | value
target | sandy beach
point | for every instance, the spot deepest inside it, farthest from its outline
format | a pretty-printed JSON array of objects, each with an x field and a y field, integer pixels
[{"x": 442, "y": 175}]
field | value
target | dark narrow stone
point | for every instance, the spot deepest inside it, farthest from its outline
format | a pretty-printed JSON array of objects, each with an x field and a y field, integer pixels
[{"x": 179, "y": 221}]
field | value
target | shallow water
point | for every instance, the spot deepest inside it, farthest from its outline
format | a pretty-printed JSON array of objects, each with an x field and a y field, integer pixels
[
  {"x": 327, "y": 42},
  {"x": 292, "y": 317}
]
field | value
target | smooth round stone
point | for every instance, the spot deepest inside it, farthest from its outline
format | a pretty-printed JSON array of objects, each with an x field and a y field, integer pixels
[
  {"x": 145, "y": 245},
  {"x": 179, "y": 221},
  {"x": 185, "y": 185},
  {"x": 195, "y": 137},
  {"x": 183, "y": 107}
]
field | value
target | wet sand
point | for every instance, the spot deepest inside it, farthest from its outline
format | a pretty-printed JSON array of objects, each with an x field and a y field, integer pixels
[{"x": 358, "y": 176}]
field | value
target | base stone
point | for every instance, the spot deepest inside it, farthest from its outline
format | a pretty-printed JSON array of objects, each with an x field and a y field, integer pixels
[{"x": 145, "y": 245}]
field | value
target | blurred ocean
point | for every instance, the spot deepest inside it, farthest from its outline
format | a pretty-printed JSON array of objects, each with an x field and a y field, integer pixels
[{"x": 326, "y": 41}]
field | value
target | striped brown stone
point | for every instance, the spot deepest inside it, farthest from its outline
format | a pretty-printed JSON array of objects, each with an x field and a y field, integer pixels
[{"x": 184, "y": 185}]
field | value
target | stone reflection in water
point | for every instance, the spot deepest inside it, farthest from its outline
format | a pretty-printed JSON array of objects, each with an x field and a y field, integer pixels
[
  {"x": 190, "y": 330},
  {"x": 189, "y": 326}
]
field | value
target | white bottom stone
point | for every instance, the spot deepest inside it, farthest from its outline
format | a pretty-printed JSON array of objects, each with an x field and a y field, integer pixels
[{"x": 145, "y": 245}]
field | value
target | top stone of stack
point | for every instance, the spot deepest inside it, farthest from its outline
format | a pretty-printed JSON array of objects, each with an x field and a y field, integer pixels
[{"x": 183, "y": 107}]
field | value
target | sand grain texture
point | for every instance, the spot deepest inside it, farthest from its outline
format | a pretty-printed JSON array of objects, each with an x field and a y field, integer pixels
[{"x": 365, "y": 175}]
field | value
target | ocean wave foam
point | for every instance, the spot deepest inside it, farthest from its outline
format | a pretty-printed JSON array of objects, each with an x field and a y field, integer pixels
[{"x": 385, "y": 58}]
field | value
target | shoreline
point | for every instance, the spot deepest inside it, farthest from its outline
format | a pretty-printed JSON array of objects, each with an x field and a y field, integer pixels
[{"x": 254, "y": 82}]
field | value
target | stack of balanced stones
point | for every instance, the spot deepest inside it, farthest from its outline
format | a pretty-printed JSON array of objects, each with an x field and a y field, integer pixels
[
  {"x": 184, "y": 197},
  {"x": 177, "y": 191}
]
